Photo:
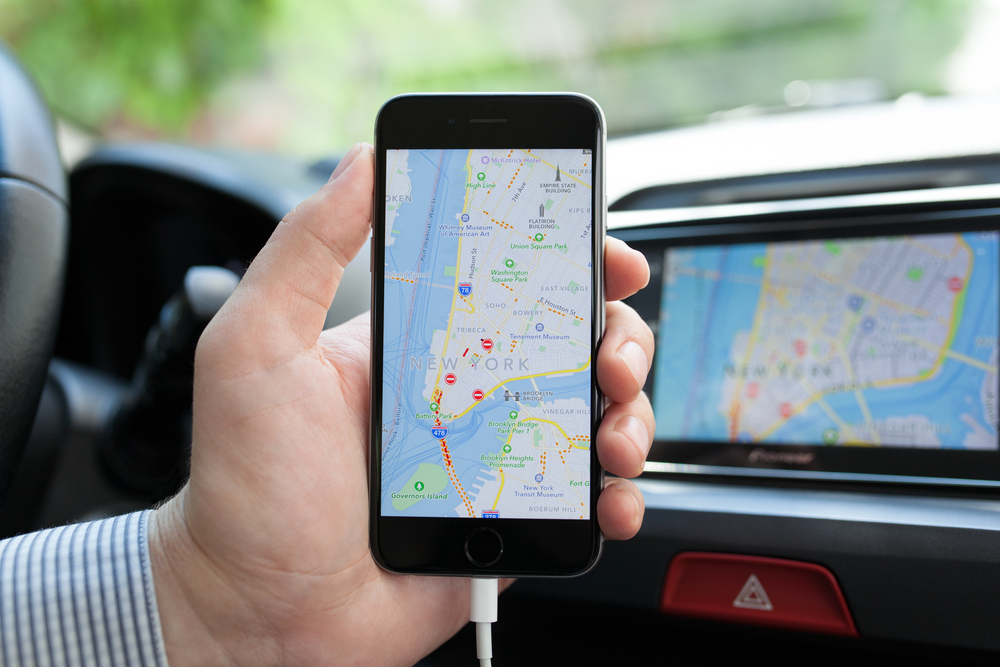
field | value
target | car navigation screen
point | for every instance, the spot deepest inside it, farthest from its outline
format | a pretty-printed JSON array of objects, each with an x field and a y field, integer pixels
[
  {"x": 487, "y": 326},
  {"x": 885, "y": 341}
]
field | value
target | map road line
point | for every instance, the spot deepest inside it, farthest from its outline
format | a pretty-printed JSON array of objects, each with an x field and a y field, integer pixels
[
  {"x": 523, "y": 377},
  {"x": 880, "y": 384},
  {"x": 863, "y": 404},
  {"x": 458, "y": 260},
  {"x": 503, "y": 481},
  {"x": 758, "y": 316},
  {"x": 957, "y": 356}
]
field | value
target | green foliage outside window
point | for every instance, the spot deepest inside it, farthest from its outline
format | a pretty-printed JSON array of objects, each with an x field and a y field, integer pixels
[
  {"x": 154, "y": 62},
  {"x": 307, "y": 76}
]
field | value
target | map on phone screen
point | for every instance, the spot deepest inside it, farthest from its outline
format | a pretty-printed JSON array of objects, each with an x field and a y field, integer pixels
[{"x": 487, "y": 313}]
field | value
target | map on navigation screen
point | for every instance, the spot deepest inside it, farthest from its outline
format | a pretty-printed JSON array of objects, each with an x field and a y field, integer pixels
[
  {"x": 887, "y": 341},
  {"x": 487, "y": 334}
]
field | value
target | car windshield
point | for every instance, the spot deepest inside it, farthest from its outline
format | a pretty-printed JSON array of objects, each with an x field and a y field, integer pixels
[{"x": 306, "y": 77}]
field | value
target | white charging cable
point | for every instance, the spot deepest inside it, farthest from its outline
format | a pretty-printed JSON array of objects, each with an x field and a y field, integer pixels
[{"x": 483, "y": 612}]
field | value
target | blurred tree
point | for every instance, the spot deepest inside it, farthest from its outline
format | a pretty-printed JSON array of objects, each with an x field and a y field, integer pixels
[{"x": 150, "y": 63}]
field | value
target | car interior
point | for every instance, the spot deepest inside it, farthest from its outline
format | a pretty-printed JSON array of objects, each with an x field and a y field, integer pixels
[{"x": 778, "y": 543}]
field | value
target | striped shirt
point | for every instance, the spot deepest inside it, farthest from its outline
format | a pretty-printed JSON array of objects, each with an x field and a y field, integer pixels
[{"x": 80, "y": 595}]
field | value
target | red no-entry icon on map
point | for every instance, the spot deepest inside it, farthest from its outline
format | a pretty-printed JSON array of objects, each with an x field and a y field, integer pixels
[
  {"x": 450, "y": 378},
  {"x": 752, "y": 389},
  {"x": 786, "y": 410},
  {"x": 478, "y": 394},
  {"x": 487, "y": 344},
  {"x": 800, "y": 347},
  {"x": 955, "y": 284}
]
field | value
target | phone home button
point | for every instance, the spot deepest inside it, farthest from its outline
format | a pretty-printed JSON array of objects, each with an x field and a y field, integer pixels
[{"x": 483, "y": 547}]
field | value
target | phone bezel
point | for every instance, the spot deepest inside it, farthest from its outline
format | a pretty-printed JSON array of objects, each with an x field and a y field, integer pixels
[{"x": 436, "y": 546}]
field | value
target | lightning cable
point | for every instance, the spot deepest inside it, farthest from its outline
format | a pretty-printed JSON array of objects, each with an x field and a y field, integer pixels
[{"x": 483, "y": 612}]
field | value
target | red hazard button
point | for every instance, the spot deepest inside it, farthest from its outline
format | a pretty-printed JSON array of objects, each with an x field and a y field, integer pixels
[{"x": 763, "y": 591}]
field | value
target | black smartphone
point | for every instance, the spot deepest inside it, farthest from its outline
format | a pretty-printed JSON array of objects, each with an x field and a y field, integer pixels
[{"x": 487, "y": 313}]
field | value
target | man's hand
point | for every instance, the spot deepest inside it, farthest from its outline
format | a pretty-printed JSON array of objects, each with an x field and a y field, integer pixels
[{"x": 263, "y": 557}]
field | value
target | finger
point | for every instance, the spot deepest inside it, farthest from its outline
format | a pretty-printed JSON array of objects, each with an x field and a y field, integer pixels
[
  {"x": 625, "y": 435},
  {"x": 625, "y": 270},
  {"x": 626, "y": 351},
  {"x": 620, "y": 509},
  {"x": 290, "y": 285}
]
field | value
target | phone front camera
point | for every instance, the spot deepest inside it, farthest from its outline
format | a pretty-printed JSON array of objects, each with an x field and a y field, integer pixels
[{"x": 451, "y": 121}]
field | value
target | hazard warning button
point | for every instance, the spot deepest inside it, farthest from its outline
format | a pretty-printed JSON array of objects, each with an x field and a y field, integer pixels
[{"x": 750, "y": 589}]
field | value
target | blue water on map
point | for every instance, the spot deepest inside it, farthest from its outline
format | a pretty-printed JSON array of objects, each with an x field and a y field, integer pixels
[
  {"x": 431, "y": 303},
  {"x": 702, "y": 317}
]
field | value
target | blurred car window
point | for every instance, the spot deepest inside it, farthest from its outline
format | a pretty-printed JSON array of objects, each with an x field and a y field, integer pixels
[{"x": 307, "y": 76}]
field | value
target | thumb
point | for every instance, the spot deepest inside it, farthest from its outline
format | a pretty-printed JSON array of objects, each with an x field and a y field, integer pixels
[{"x": 287, "y": 290}]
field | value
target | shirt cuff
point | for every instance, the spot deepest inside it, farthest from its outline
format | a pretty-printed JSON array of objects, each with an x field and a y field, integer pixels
[{"x": 80, "y": 595}]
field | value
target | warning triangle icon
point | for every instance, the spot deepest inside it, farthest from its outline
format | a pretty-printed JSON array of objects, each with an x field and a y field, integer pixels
[{"x": 753, "y": 596}]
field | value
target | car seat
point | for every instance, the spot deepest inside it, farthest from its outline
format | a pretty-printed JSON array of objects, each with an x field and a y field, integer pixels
[{"x": 34, "y": 229}]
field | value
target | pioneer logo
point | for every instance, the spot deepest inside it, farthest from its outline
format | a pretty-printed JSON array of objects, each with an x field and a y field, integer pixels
[{"x": 791, "y": 458}]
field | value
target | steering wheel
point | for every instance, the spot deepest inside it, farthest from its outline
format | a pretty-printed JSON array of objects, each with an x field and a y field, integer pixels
[{"x": 34, "y": 229}]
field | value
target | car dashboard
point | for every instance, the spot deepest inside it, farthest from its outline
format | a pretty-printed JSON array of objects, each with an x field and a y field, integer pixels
[
  {"x": 748, "y": 546},
  {"x": 794, "y": 529},
  {"x": 906, "y": 556}
]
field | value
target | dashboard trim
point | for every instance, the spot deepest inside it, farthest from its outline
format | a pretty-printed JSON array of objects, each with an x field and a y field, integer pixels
[
  {"x": 621, "y": 220},
  {"x": 821, "y": 504},
  {"x": 815, "y": 475},
  {"x": 775, "y": 473}
]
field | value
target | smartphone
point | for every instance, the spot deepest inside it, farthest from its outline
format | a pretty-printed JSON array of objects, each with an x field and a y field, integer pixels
[{"x": 487, "y": 313}]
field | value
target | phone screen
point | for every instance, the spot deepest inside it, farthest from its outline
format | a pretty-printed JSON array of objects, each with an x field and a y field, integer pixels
[{"x": 487, "y": 338}]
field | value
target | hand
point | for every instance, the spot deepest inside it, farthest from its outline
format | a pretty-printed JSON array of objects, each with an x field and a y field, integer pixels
[{"x": 262, "y": 558}]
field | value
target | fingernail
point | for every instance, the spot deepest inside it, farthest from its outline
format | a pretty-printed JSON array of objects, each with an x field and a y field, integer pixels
[
  {"x": 633, "y": 429},
  {"x": 646, "y": 263},
  {"x": 635, "y": 357},
  {"x": 348, "y": 158}
]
